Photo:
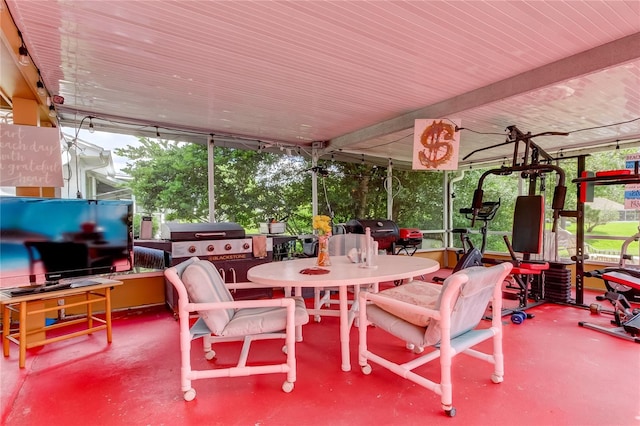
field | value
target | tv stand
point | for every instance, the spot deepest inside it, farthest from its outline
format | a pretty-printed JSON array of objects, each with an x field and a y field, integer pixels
[{"x": 31, "y": 305}]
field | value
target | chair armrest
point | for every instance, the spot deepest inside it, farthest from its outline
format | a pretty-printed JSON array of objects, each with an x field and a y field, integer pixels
[{"x": 408, "y": 307}]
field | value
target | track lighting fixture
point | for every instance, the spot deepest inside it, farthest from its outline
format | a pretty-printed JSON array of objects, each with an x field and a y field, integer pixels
[
  {"x": 91, "y": 129},
  {"x": 52, "y": 111}
]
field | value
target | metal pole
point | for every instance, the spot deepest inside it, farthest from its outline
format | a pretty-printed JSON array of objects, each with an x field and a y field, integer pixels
[
  {"x": 211, "y": 169},
  {"x": 390, "y": 190},
  {"x": 314, "y": 181}
]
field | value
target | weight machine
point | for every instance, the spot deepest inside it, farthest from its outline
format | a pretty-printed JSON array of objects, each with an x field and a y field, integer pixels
[
  {"x": 621, "y": 281},
  {"x": 585, "y": 184},
  {"x": 533, "y": 163}
]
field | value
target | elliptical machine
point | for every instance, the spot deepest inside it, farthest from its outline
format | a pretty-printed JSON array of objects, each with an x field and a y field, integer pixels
[{"x": 470, "y": 255}]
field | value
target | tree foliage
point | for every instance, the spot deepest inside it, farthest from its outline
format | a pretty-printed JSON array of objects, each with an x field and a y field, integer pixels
[{"x": 252, "y": 187}]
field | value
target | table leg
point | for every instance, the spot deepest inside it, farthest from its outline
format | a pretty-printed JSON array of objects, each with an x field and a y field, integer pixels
[
  {"x": 107, "y": 313},
  {"x": 22, "y": 330},
  {"x": 87, "y": 296},
  {"x": 298, "y": 293},
  {"x": 344, "y": 328},
  {"x": 6, "y": 328}
]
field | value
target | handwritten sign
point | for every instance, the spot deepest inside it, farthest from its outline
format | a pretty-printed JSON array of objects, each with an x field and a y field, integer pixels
[{"x": 30, "y": 156}]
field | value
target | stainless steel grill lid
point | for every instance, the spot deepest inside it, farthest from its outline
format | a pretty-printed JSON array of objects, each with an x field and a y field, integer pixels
[{"x": 201, "y": 231}]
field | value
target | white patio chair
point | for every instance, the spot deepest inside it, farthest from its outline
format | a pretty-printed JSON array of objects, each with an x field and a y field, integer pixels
[
  {"x": 202, "y": 291},
  {"x": 340, "y": 245},
  {"x": 443, "y": 317}
]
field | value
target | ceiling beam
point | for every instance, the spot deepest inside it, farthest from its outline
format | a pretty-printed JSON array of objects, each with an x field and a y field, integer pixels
[{"x": 607, "y": 55}]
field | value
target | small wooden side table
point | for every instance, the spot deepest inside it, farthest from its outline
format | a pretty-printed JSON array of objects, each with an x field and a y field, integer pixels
[{"x": 26, "y": 306}]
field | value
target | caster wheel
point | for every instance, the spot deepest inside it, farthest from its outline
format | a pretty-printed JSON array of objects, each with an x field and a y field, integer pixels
[
  {"x": 190, "y": 395},
  {"x": 497, "y": 379},
  {"x": 418, "y": 350},
  {"x": 209, "y": 355},
  {"x": 410, "y": 346},
  {"x": 595, "y": 308},
  {"x": 451, "y": 412},
  {"x": 287, "y": 387},
  {"x": 317, "y": 318},
  {"x": 285, "y": 350},
  {"x": 366, "y": 369}
]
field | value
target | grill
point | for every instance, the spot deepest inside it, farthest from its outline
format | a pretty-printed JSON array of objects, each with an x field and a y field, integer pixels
[
  {"x": 409, "y": 239},
  {"x": 226, "y": 245},
  {"x": 384, "y": 231}
]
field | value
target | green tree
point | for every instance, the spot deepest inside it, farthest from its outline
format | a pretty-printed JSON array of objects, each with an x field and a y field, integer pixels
[
  {"x": 172, "y": 177},
  {"x": 168, "y": 177},
  {"x": 252, "y": 187},
  {"x": 594, "y": 217}
]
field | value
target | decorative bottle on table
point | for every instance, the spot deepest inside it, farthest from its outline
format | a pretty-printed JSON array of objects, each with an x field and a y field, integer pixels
[{"x": 322, "y": 224}]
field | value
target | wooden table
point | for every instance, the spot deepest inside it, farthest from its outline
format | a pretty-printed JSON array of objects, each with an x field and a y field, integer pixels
[
  {"x": 342, "y": 273},
  {"x": 28, "y": 305}
]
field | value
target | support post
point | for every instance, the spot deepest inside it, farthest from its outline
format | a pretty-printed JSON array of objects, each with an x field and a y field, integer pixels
[{"x": 211, "y": 178}]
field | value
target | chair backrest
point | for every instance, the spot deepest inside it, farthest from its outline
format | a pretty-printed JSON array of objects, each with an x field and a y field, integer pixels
[
  {"x": 466, "y": 295},
  {"x": 528, "y": 224},
  {"x": 340, "y": 244},
  {"x": 201, "y": 282}
]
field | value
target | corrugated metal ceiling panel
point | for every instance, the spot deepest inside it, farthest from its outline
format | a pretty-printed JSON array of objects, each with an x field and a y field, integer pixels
[{"x": 297, "y": 72}]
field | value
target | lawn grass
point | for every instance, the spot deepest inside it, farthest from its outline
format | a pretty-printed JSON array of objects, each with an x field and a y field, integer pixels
[{"x": 611, "y": 229}]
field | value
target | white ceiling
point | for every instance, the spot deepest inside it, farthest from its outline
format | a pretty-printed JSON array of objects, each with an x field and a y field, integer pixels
[{"x": 354, "y": 74}]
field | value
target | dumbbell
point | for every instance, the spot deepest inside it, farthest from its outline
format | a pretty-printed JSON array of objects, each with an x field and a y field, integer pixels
[{"x": 519, "y": 317}]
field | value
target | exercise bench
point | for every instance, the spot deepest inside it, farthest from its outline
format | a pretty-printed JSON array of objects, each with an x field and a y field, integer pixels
[{"x": 626, "y": 319}]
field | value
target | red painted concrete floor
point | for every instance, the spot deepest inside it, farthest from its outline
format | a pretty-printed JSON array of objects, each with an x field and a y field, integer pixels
[{"x": 557, "y": 373}]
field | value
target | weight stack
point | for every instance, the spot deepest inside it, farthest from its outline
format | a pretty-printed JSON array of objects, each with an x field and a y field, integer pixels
[{"x": 557, "y": 283}]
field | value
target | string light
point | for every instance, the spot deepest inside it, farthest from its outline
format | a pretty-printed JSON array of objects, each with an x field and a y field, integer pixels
[
  {"x": 24, "y": 53},
  {"x": 41, "y": 89}
]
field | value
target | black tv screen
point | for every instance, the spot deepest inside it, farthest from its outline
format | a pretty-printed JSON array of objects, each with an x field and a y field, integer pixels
[{"x": 48, "y": 239}]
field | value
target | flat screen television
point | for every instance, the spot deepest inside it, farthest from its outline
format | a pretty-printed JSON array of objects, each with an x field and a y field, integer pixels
[{"x": 44, "y": 240}]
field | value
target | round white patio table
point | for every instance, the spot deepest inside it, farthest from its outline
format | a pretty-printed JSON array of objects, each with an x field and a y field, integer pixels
[{"x": 342, "y": 273}]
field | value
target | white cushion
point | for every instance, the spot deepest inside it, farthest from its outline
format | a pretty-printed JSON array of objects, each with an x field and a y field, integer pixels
[
  {"x": 417, "y": 293},
  {"x": 264, "y": 320},
  {"x": 205, "y": 285},
  {"x": 470, "y": 306}
]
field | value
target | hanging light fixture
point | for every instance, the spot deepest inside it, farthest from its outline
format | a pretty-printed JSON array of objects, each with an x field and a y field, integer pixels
[
  {"x": 91, "y": 129},
  {"x": 40, "y": 86},
  {"x": 24, "y": 53},
  {"x": 52, "y": 111},
  {"x": 24, "y": 56}
]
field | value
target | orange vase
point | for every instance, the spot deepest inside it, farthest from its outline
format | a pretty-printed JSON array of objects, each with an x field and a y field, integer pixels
[{"x": 323, "y": 251}]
